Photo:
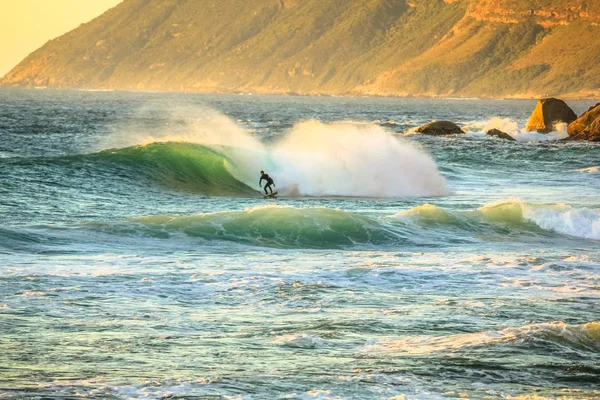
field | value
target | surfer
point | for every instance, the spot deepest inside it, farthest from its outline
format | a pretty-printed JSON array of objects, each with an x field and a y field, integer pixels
[{"x": 269, "y": 180}]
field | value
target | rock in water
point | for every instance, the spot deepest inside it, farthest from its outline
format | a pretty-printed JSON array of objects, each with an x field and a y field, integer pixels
[
  {"x": 500, "y": 134},
  {"x": 439, "y": 128},
  {"x": 548, "y": 113},
  {"x": 584, "y": 121},
  {"x": 590, "y": 133}
]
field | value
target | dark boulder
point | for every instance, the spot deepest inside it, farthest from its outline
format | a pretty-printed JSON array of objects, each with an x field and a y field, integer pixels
[
  {"x": 548, "y": 113},
  {"x": 439, "y": 128},
  {"x": 500, "y": 134}
]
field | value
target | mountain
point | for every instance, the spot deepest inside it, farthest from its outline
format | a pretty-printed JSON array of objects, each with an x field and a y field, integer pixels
[{"x": 487, "y": 48}]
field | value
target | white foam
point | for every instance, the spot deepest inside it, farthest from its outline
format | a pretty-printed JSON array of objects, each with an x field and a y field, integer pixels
[
  {"x": 504, "y": 124},
  {"x": 523, "y": 136},
  {"x": 477, "y": 129},
  {"x": 353, "y": 159},
  {"x": 565, "y": 219},
  {"x": 580, "y": 222},
  {"x": 300, "y": 341}
]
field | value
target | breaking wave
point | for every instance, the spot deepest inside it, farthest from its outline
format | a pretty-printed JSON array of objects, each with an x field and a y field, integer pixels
[
  {"x": 349, "y": 159},
  {"x": 324, "y": 228},
  {"x": 559, "y": 218},
  {"x": 279, "y": 227}
]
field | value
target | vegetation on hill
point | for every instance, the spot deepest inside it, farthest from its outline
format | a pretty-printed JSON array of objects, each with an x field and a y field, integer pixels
[{"x": 526, "y": 48}]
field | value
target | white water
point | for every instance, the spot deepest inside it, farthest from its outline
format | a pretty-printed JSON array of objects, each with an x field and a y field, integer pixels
[
  {"x": 479, "y": 129},
  {"x": 352, "y": 159},
  {"x": 561, "y": 218},
  {"x": 580, "y": 222}
]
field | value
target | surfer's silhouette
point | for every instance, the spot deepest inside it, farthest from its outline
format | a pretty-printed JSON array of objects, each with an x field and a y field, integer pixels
[{"x": 269, "y": 180}]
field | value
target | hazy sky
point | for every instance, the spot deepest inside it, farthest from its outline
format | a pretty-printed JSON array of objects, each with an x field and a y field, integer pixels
[{"x": 26, "y": 25}]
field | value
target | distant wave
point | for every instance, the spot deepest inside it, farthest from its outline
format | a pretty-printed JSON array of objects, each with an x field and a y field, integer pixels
[
  {"x": 558, "y": 334},
  {"x": 19, "y": 240}
]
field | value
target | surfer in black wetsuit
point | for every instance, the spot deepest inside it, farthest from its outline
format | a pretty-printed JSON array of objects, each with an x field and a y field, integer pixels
[{"x": 269, "y": 180}]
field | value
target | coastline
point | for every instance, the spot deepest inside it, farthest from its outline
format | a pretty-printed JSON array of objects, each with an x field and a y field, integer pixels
[{"x": 457, "y": 97}]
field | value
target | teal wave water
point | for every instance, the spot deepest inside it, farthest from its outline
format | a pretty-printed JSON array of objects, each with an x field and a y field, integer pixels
[
  {"x": 139, "y": 259},
  {"x": 273, "y": 226},
  {"x": 327, "y": 228},
  {"x": 182, "y": 166}
]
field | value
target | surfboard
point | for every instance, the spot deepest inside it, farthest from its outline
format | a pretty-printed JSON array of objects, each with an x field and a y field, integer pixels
[{"x": 270, "y": 195}]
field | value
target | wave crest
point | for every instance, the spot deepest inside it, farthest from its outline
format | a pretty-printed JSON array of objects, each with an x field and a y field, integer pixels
[
  {"x": 561, "y": 218},
  {"x": 324, "y": 228},
  {"x": 515, "y": 215},
  {"x": 280, "y": 227}
]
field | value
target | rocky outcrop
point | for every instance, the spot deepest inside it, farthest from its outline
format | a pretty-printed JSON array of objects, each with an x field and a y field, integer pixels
[
  {"x": 587, "y": 126},
  {"x": 502, "y": 135},
  {"x": 591, "y": 134},
  {"x": 585, "y": 120},
  {"x": 440, "y": 128},
  {"x": 548, "y": 113}
]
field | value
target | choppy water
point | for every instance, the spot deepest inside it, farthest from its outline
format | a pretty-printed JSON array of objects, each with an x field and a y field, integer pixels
[{"x": 138, "y": 260}]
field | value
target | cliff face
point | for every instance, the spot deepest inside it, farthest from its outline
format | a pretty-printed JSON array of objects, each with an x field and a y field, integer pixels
[{"x": 525, "y": 48}]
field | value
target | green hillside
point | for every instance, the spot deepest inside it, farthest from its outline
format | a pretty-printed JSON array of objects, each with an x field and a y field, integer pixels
[{"x": 524, "y": 48}]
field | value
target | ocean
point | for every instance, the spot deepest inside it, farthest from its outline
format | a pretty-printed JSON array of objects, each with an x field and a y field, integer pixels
[{"x": 139, "y": 259}]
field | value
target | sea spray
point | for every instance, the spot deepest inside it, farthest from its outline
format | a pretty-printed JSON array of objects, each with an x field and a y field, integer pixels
[
  {"x": 353, "y": 159},
  {"x": 199, "y": 125}
]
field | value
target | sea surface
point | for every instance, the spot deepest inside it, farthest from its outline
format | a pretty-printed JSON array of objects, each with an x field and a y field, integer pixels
[{"x": 139, "y": 259}]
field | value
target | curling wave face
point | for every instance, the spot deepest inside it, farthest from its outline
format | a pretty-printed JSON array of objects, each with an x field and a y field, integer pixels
[{"x": 184, "y": 166}]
